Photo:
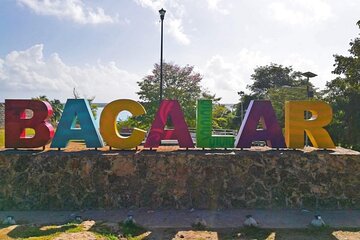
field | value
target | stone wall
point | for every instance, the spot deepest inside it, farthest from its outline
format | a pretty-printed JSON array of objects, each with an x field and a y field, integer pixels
[{"x": 182, "y": 179}]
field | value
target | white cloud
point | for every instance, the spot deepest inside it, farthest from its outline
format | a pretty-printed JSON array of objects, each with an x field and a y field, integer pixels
[
  {"x": 299, "y": 63},
  {"x": 25, "y": 74},
  {"x": 215, "y": 5},
  {"x": 226, "y": 77},
  {"x": 176, "y": 29},
  {"x": 153, "y": 4},
  {"x": 174, "y": 17},
  {"x": 74, "y": 10},
  {"x": 300, "y": 11}
]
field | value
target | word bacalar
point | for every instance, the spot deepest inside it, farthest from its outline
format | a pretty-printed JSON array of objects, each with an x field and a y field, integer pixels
[{"x": 78, "y": 111}]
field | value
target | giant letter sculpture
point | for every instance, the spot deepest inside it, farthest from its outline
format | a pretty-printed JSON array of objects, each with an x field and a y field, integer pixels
[
  {"x": 108, "y": 127},
  {"x": 260, "y": 111},
  {"x": 181, "y": 132},
  {"x": 296, "y": 124},
  {"x": 204, "y": 137},
  {"x": 16, "y": 123},
  {"x": 77, "y": 109}
]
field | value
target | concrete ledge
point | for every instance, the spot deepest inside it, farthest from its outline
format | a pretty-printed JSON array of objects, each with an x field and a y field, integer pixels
[{"x": 153, "y": 219}]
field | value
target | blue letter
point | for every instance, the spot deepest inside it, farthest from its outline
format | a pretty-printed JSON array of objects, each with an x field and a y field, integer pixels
[{"x": 77, "y": 109}]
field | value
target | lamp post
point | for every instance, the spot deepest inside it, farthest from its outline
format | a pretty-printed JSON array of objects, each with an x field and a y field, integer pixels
[
  {"x": 162, "y": 16},
  {"x": 241, "y": 94},
  {"x": 309, "y": 94}
]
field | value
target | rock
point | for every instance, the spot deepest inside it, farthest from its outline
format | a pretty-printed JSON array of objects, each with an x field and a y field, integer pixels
[
  {"x": 250, "y": 222},
  {"x": 9, "y": 220},
  {"x": 317, "y": 221},
  {"x": 199, "y": 223},
  {"x": 129, "y": 220}
]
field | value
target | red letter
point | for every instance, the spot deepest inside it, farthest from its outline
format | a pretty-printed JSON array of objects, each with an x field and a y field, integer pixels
[
  {"x": 16, "y": 123},
  {"x": 157, "y": 132}
]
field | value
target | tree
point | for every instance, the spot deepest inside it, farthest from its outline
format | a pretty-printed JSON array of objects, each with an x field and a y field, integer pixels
[
  {"x": 56, "y": 105},
  {"x": 274, "y": 76},
  {"x": 278, "y": 84},
  {"x": 240, "y": 108},
  {"x": 222, "y": 117},
  {"x": 93, "y": 106},
  {"x": 180, "y": 83},
  {"x": 278, "y": 97},
  {"x": 343, "y": 93}
]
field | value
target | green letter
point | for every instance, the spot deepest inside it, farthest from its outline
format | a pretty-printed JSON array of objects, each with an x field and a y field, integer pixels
[{"x": 204, "y": 137}]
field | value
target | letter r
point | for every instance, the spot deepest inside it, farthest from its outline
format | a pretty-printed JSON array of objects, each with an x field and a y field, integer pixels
[{"x": 296, "y": 124}]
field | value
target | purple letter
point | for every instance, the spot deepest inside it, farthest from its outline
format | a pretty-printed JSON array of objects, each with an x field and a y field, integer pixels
[{"x": 260, "y": 111}]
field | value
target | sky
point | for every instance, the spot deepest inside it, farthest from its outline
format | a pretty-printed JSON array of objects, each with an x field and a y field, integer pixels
[{"x": 103, "y": 47}]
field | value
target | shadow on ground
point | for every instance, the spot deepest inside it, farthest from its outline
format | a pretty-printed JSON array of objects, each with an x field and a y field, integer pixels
[
  {"x": 24, "y": 231},
  {"x": 259, "y": 234},
  {"x": 108, "y": 231}
]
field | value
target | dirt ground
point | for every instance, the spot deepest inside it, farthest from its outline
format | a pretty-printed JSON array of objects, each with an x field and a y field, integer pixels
[{"x": 88, "y": 230}]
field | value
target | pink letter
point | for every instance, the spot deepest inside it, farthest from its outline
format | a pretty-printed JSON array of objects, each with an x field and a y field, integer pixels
[{"x": 157, "y": 132}]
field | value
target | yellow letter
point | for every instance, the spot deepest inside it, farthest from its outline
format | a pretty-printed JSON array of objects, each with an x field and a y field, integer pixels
[
  {"x": 296, "y": 124},
  {"x": 108, "y": 127}
]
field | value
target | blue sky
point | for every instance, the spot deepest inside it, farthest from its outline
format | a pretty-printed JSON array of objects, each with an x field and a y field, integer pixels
[{"x": 102, "y": 47}]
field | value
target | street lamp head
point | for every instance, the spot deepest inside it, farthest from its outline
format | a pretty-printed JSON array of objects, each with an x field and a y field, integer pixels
[
  {"x": 162, "y": 13},
  {"x": 241, "y": 93},
  {"x": 309, "y": 74}
]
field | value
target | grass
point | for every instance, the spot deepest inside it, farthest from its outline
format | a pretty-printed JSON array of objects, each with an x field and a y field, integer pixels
[
  {"x": 102, "y": 230},
  {"x": 27, "y": 232},
  {"x": 325, "y": 233},
  {"x": 249, "y": 233},
  {"x": 41, "y": 233},
  {"x": 136, "y": 232},
  {"x": 2, "y": 137},
  {"x": 132, "y": 231}
]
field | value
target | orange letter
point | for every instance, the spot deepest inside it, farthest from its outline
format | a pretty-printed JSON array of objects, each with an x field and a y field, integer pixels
[{"x": 296, "y": 124}]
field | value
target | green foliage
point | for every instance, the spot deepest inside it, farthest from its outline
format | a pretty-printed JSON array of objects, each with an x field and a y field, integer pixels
[
  {"x": 30, "y": 231},
  {"x": 130, "y": 229},
  {"x": 240, "y": 109},
  {"x": 180, "y": 83},
  {"x": 323, "y": 233},
  {"x": 56, "y": 105},
  {"x": 93, "y": 106},
  {"x": 255, "y": 233},
  {"x": 274, "y": 76},
  {"x": 101, "y": 231},
  {"x": 198, "y": 226},
  {"x": 222, "y": 117},
  {"x": 53, "y": 231},
  {"x": 276, "y": 83},
  {"x": 278, "y": 97},
  {"x": 343, "y": 93}
]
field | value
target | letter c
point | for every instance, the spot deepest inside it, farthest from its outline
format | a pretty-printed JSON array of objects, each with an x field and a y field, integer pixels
[{"x": 108, "y": 127}]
